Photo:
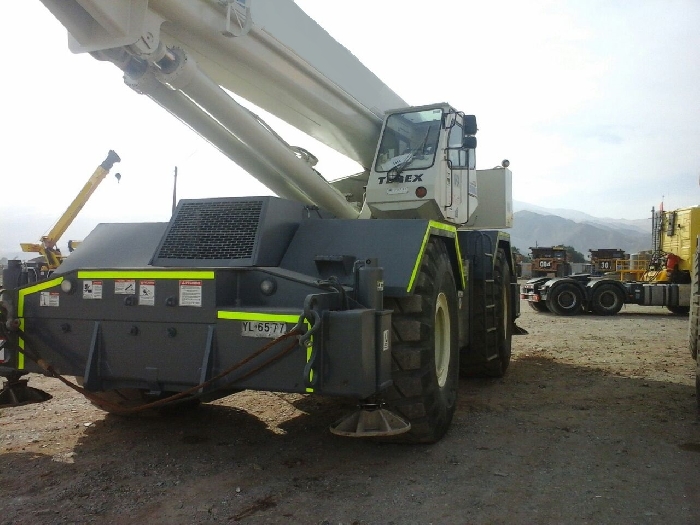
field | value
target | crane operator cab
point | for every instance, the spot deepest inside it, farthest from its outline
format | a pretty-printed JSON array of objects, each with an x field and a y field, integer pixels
[{"x": 425, "y": 166}]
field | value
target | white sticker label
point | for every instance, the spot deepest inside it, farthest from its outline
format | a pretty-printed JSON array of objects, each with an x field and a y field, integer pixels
[
  {"x": 190, "y": 293},
  {"x": 125, "y": 287},
  {"x": 92, "y": 289},
  {"x": 2, "y": 350},
  {"x": 147, "y": 293},
  {"x": 385, "y": 346},
  {"x": 49, "y": 299}
]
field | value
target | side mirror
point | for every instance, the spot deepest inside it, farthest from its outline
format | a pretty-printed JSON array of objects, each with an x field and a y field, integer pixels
[
  {"x": 469, "y": 125},
  {"x": 469, "y": 142}
]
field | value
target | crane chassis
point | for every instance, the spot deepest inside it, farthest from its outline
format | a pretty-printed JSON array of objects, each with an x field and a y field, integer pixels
[{"x": 381, "y": 287}]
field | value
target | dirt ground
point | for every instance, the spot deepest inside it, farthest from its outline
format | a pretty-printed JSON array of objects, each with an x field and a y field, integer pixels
[{"x": 595, "y": 422}]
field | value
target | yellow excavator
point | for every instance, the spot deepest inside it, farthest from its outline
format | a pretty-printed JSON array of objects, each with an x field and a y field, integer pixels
[{"x": 51, "y": 256}]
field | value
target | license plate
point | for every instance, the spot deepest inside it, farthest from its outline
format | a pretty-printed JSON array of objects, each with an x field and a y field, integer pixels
[{"x": 263, "y": 329}]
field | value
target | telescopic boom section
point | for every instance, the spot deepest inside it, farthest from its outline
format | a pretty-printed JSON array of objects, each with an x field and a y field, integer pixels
[
  {"x": 47, "y": 247},
  {"x": 268, "y": 52}
]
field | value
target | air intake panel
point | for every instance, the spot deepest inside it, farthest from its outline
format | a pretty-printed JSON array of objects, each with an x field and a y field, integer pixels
[{"x": 229, "y": 232}]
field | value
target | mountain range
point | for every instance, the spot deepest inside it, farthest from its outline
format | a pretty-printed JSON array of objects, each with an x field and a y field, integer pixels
[
  {"x": 538, "y": 226},
  {"x": 533, "y": 226}
]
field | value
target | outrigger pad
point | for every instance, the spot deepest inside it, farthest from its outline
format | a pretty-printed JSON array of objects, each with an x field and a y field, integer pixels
[
  {"x": 374, "y": 422},
  {"x": 16, "y": 393},
  {"x": 518, "y": 330}
]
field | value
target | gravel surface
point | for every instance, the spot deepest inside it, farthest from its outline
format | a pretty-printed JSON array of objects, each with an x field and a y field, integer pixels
[{"x": 595, "y": 422}]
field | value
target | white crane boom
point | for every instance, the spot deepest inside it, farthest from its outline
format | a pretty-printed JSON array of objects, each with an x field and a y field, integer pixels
[
  {"x": 282, "y": 61},
  {"x": 187, "y": 55}
]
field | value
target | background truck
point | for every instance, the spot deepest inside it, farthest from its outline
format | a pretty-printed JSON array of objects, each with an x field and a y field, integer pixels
[
  {"x": 607, "y": 260},
  {"x": 381, "y": 287},
  {"x": 550, "y": 261},
  {"x": 666, "y": 281}
]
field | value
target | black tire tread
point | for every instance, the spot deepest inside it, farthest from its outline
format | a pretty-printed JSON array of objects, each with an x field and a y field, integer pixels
[
  {"x": 415, "y": 394},
  {"x": 479, "y": 337}
]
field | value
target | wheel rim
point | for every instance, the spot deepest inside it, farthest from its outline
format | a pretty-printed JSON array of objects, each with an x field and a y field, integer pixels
[
  {"x": 567, "y": 300},
  {"x": 608, "y": 299},
  {"x": 442, "y": 339}
]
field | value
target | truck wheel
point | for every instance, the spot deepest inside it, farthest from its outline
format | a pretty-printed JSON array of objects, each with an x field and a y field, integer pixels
[
  {"x": 425, "y": 350},
  {"x": 565, "y": 299},
  {"x": 538, "y": 306},
  {"x": 133, "y": 397},
  {"x": 607, "y": 300}
]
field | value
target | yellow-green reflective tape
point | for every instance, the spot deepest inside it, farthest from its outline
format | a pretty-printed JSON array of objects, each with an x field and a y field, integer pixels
[
  {"x": 20, "y": 311},
  {"x": 416, "y": 267},
  {"x": 278, "y": 318},
  {"x": 143, "y": 274}
]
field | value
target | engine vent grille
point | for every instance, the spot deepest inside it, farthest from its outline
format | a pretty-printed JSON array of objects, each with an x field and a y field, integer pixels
[{"x": 213, "y": 230}]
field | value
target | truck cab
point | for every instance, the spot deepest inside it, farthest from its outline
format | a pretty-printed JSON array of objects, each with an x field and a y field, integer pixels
[{"x": 425, "y": 165}]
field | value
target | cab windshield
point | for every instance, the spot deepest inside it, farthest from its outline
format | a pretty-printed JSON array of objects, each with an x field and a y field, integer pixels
[{"x": 410, "y": 141}]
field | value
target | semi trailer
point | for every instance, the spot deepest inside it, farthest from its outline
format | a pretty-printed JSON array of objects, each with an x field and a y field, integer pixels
[
  {"x": 381, "y": 287},
  {"x": 665, "y": 282}
]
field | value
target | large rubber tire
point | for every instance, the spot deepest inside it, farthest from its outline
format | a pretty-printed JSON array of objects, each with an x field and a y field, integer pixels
[
  {"x": 538, "y": 306},
  {"x": 565, "y": 299},
  {"x": 483, "y": 345},
  {"x": 697, "y": 383},
  {"x": 504, "y": 317},
  {"x": 607, "y": 299},
  {"x": 425, "y": 350},
  {"x": 693, "y": 333},
  {"x": 129, "y": 398}
]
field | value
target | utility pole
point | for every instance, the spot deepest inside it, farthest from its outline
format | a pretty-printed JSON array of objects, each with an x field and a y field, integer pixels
[{"x": 174, "y": 190}]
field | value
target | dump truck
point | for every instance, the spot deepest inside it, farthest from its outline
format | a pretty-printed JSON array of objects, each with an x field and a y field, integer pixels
[
  {"x": 381, "y": 287},
  {"x": 606, "y": 260},
  {"x": 550, "y": 261},
  {"x": 665, "y": 282}
]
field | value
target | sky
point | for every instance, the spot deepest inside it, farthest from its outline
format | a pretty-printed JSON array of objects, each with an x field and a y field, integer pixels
[{"x": 595, "y": 103}]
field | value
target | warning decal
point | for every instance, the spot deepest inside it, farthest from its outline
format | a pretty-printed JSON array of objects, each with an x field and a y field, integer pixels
[
  {"x": 147, "y": 293},
  {"x": 125, "y": 287},
  {"x": 190, "y": 293},
  {"x": 49, "y": 299},
  {"x": 92, "y": 289}
]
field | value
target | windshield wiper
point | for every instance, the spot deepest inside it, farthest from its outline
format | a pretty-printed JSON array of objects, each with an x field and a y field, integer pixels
[{"x": 408, "y": 160}]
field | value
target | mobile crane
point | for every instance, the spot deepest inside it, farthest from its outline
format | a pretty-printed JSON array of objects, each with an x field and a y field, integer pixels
[
  {"x": 381, "y": 287},
  {"x": 51, "y": 256}
]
